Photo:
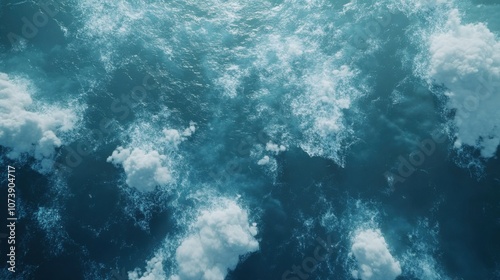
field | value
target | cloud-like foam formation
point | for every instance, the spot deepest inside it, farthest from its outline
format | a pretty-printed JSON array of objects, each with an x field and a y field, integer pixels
[
  {"x": 270, "y": 147},
  {"x": 375, "y": 262},
  {"x": 218, "y": 237},
  {"x": 466, "y": 59},
  {"x": 154, "y": 270},
  {"x": 275, "y": 148},
  {"x": 147, "y": 165},
  {"x": 263, "y": 161},
  {"x": 175, "y": 137},
  {"x": 25, "y": 130},
  {"x": 144, "y": 170}
]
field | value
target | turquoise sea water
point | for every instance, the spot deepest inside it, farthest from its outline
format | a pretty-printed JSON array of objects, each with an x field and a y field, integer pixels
[{"x": 252, "y": 140}]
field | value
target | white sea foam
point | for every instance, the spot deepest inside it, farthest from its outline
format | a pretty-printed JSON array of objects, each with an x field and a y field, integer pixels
[
  {"x": 315, "y": 86},
  {"x": 175, "y": 137},
  {"x": 315, "y": 97},
  {"x": 303, "y": 88},
  {"x": 374, "y": 259},
  {"x": 219, "y": 236},
  {"x": 144, "y": 169},
  {"x": 26, "y": 129},
  {"x": 329, "y": 92},
  {"x": 154, "y": 270},
  {"x": 149, "y": 159},
  {"x": 215, "y": 240},
  {"x": 265, "y": 156},
  {"x": 373, "y": 255},
  {"x": 99, "y": 25},
  {"x": 275, "y": 148},
  {"x": 465, "y": 58},
  {"x": 49, "y": 220},
  {"x": 416, "y": 6},
  {"x": 419, "y": 260},
  {"x": 263, "y": 161}
]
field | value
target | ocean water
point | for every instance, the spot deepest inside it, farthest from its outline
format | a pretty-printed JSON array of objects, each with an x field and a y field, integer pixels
[{"x": 251, "y": 140}]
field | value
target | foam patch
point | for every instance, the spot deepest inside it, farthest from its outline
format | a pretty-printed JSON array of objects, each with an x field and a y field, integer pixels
[
  {"x": 465, "y": 58},
  {"x": 218, "y": 237},
  {"x": 26, "y": 130},
  {"x": 144, "y": 169},
  {"x": 275, "y": 148},
  {"x": 154, "y": 270},
  {"x": 375, "y": 262}
]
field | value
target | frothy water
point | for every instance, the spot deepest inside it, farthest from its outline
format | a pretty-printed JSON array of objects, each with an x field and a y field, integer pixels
[{"x": 259, "y": 140}]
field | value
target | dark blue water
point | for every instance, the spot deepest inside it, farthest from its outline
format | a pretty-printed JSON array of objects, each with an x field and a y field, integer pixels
[{"x": 263, "y": 140}]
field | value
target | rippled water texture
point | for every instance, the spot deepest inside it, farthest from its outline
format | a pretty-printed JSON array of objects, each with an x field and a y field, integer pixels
[{"x": 263, "y": 140}]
